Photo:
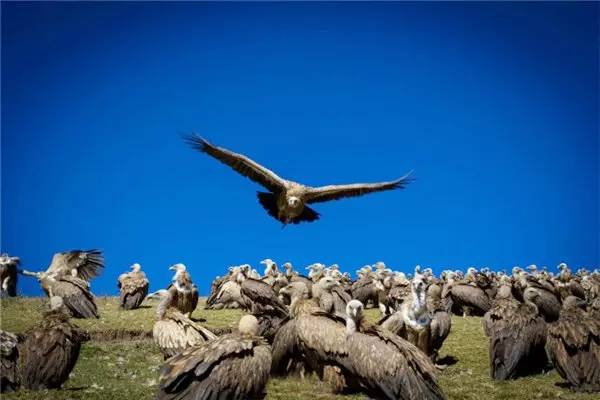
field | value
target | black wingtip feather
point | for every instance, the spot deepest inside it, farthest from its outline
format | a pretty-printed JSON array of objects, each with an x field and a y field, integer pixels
[{"x": 195, "y": 141}]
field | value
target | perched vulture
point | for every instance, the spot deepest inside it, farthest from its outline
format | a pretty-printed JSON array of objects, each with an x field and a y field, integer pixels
[
  {"x": 286, "y": 200},
  {"x": 50, "y": 349},
  {"x": 546, "y": 301},
  {"x": 262, "y": 302},
  {"x": 365, "y": 290},
  {"x": 173, "y": 332},
  {"x": 574, "y": 346},
  {"x": 9, "y": 356},
  {"x": 74, "y": 292},
  {"x": 471, "y": 299},
  {"x": 8, "y": 275},
  {"x": 215, "y": 287},
  {"x": 517, "y": 337},
  {"x": 366, "y": 359},
  {"x": 234, "y": 367},
  {"x": 331, "y": 296},
  {"x": 183, "y": 292},
  {"x": 133, "y": 287},
  {"x": 416, "y": 323}
]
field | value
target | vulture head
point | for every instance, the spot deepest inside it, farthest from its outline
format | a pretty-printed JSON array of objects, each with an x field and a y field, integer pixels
[
  {"x": 248, "y": 325},
  {"x": 354, "y": 312},
  {"x": 294, "y": 202},
  {"x": 179, "y": 268},
  {"x": 288, "y": 266},
  {"x": 136, "y": 267},
  {"x": 328, "y": 283},
  {"x": 270, "y": 266},
  {"x": 295, "y": 291},
  {"x": 316, "y": 271}
]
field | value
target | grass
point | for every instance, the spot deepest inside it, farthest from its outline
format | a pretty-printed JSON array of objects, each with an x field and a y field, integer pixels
[{"x": 121, "y": 369}]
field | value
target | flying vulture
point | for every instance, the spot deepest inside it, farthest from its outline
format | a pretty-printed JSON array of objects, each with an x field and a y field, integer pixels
[
  {"x": 133, "y": 287},
  {"x": 50, "y": 349},
  {"x": 287, "y": 201},
  {"x": 234, "y": 366}
]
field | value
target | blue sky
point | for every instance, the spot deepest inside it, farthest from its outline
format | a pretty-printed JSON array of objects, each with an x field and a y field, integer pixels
[{"x": 494, "y": 106}]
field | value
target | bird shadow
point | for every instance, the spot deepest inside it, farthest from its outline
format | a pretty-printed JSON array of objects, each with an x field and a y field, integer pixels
[
  {"x": 145, "y": 306},
  {"x": 447, "y": 360},
  {"x": 198, "y": 319}
]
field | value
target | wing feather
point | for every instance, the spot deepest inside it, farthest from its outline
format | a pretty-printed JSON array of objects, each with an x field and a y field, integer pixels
[
  {"x": 239, "y": 163},
  {"x": 337, "y": 192}
]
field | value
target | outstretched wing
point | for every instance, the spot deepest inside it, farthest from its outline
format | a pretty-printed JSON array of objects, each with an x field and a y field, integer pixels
[
  {"x": 336, "y": 192},
  {"x": 239, "y": 163},
  {"x": 88, "y": 263}
]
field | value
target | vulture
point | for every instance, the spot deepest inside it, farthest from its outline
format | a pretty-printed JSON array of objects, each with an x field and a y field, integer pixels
[
  {"x": 75, "y": 294},
  {"x": 8, "y": 275},
  {"x": 517, "y": 335},
  {"x": 288, "y": 201},
  {"x": 331, "y": 296},
  {"x": 82, "y": 264},
  {"x": 173, "y": 332},
  {"x": 418, "y": 323},
  {"x": 9, "y": 356},
  {"x": 364, "y": 358},
  {"x": 574, "y": 346},
  {"x": 50, "y": 349},
  {"x": 468, "y": 297},
  {"x": 68, "y": 277},
  {"x": 547, "y": 301},
  {"x": 234, "y": 366},
  {"x": 365, "y": 290},
  {"x": 183, "y": 292},
  {"x": 262, "y": 302},
  {"x": 133, "y": 287},
  {"x": 215, "y": 287}
]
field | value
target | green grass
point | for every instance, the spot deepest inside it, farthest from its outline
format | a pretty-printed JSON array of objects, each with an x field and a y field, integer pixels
[{"x": 129, "y": 369}]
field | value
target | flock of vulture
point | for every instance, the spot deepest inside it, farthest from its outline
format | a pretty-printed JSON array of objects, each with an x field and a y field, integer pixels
[{"x": 298, "y": 325}]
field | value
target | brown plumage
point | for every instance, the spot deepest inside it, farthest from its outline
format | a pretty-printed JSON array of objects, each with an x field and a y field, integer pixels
[
  {"x": 517, "y": 337},
  {"x": 574, "y": 346},
  {"x": 84, "y": 264},
  {"x": 183, "y": 292},
  {"x": 50, "y": 350},
  {"x": 68, "y": 277},
  {"x": 469, "y": 298},
  {"x": 286, "y": 200},
  {"x": 8, "y": 275},
  {"x": 75, "y": 292},
  {"x": 261, "y": 300},
  {"x": 364, "y": 290},
  {"x": 173, "y": 332},
  {"x": 9, "y": 356},
  {"x": 370, "y": 360},
  {"x": 233, "y": 366},
  {"x": 415, "y": 321},
  {"x": 133, "y": 288}
]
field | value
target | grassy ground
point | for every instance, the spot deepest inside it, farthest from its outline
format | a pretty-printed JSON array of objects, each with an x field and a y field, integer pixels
[{"x": 119, "y": 369}]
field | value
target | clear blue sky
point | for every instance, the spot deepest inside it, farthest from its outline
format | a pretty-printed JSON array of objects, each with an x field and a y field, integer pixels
[{"x": 494, "y": 106}]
